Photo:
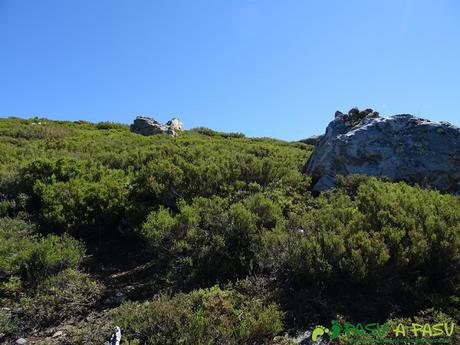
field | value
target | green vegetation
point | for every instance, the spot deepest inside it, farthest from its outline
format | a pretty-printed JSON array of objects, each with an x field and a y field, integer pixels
[
  {"x": 204, "y": 316},
  {"x": 207, "y": 238}
]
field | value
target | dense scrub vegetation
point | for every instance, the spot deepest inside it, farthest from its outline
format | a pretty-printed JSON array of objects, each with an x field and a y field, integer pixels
[{"x": 231, "y": 246}]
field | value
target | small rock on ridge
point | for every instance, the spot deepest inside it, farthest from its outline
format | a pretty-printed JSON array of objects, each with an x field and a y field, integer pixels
[{"x": 149, "y": 126}]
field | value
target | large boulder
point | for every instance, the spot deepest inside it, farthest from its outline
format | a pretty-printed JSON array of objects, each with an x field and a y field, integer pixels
[
  {"x": 401, "y": 147},
  {"x": 148, "y": 126}
]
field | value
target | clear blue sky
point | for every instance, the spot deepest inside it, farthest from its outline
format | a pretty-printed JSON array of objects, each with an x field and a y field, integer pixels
[{"x": 265, "y": 68}]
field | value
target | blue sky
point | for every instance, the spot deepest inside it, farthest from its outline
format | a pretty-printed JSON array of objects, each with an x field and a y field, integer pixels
[{"x": 265, "y": 68}]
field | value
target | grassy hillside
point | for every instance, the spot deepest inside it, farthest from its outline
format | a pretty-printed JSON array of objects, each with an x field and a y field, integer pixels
[{"x": 208, "y": 238}]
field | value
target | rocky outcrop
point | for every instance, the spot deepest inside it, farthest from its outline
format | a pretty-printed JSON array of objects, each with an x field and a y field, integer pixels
[
  {"x": 401, "y": 147},
  {"x": 148, "y": 126},
  {"x": 175, "y": 124}
]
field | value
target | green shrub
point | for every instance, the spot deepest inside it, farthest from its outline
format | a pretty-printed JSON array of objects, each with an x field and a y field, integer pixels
[
  {"x": 7, "y": 208},
  {"x": 49, "y": 256},
  {"x": 75, "y": 196},
  {"x": 26, "y": 255},
  {"x": 110, "y": 125},
  {"x": 212, "y": 133},
  {"x": 384, "y": 232},
  {"x": 211, "y": 238},
  {"x": 63, "y": 296},
  {"x": 83, "y": 207},
  {"x": 37, "y": 129},
  {"x": 49, "y": 171},
  {"x": 89, "y": 332},
  {"x": 16, "y": 239},
  {"x": 9, "y": 325},
  {"x": 205, "y": 316},
  {"x": 9, "y": 178},
  {"x": 44, "y": 131},
  {"x": 218, "y": 166}
]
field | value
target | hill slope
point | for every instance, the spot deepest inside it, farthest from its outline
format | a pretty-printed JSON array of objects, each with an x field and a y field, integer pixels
[{"x": 207, "y": 238}]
